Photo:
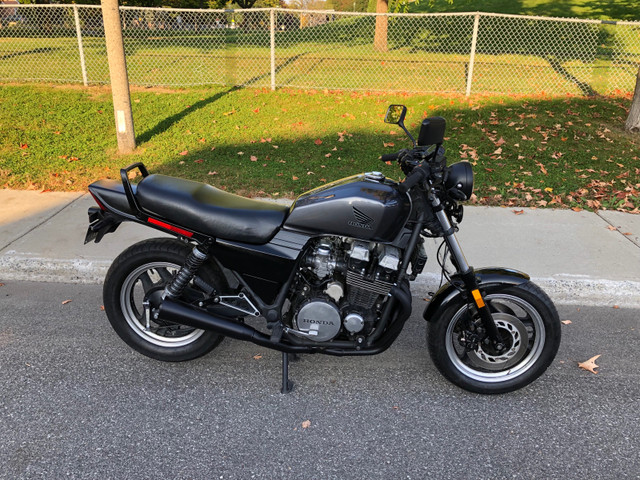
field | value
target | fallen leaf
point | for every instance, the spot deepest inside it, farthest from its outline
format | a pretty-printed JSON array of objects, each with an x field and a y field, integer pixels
[
  {"x": 254, "y": 158},
  {"x": 627, "y": 233},
  {"x": 24, "y": 146},
  {"x": 388, "y": 144},
  {"x": 518, "y": 212},
  {"x": 184, "y": 152},
  {"x": 306, "y": 424},
  {"x": 102, "y": 308},
  {"x": 212, "y": 173},
  {"x": 198, "y": 161},
  {"x": 257, "y": 357},
  {"x": 294, "y": 177},
  {"x": 590, "y": 364},
  {"x": 566, "y": 322},
  {"x": 576, "y": 209},
  {"x": 616, "y": 307},
  {"x": 612, "y": 228},
  {"x": 318, "y": 142},
  {"x": 66, "y": 301}
]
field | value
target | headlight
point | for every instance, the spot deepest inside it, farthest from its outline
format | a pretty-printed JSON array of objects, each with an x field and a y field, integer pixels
[{"x": 460, "y": 177}]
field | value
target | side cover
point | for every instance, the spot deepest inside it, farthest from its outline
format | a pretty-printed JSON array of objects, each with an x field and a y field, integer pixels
[{"x": 490, "y": 280}]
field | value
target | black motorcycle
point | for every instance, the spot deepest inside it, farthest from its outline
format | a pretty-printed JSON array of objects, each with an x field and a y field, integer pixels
[{"x": 330, "y": 274}]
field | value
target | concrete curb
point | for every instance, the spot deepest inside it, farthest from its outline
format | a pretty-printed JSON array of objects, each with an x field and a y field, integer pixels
[{"x": 563, "y": 291}]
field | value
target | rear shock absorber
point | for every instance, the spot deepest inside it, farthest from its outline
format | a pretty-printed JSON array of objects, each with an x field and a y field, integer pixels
[{"x": 194, "y": 260}]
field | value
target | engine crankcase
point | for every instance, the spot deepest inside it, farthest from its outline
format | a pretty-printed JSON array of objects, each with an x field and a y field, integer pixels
[{"x": 319, "y": 319}]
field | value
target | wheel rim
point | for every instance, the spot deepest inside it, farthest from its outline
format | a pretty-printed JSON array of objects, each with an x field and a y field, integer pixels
[
  {"x": 136, "y": 286},
  {"x": 520, "y": 325}
]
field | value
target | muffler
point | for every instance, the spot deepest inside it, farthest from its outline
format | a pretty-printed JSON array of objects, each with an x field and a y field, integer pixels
[{"x": 184, "y": 314}]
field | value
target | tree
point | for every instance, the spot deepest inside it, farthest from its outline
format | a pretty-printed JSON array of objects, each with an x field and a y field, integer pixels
[{"x": 633, "y": 120}]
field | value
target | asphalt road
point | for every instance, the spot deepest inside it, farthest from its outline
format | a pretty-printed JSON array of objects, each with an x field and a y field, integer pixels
[{"x": 76, "y": 402}]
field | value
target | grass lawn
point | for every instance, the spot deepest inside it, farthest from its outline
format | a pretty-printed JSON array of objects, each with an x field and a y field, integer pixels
[
  {"x": 594, "y": 9},
  {"x": 542, "y": 151}
]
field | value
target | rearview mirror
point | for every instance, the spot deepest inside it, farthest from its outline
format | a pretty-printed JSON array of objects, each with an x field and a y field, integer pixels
[
  {"x": 395, "y": 114},
  {"x": 432, "y": 131}
]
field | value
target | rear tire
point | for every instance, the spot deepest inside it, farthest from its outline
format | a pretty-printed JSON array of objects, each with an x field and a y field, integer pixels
[
  {"x": 528, "y": 322},
  {"x": 149, "y": 266}
]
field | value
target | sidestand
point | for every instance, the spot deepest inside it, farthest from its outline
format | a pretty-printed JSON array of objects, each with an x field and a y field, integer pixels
[{"x": 287, "y": 385}]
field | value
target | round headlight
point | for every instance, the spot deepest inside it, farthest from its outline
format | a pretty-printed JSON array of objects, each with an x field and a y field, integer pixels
[{"x": 460, "y": 176}]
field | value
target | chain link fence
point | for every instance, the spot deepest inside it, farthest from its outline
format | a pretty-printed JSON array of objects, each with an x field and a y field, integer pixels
[{"x": 447, "y": 53}]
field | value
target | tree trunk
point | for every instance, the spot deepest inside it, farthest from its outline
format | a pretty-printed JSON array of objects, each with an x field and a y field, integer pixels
[
  {"x": 633, "y": 120},
  {"x": 380, "y": 38}
]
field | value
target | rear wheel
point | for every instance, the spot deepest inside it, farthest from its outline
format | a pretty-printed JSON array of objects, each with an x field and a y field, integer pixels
[
  {"x": 141, "y": 271},
  {"x": 529, "y": 326}
]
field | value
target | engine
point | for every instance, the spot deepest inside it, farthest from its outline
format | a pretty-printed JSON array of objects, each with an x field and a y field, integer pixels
[{"x": 341, "y": 288}]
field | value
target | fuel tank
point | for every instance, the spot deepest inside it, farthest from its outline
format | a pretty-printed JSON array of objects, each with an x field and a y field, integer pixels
[{"x": 367, "y": 207}]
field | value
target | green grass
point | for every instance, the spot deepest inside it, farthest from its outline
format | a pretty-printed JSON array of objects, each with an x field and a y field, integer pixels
[
  {"x": 593, "y": 9},
  {"x": 538, "y": 151}
]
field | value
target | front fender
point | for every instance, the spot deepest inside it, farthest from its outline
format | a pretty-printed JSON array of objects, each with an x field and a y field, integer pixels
[{"x": 490, "y": 280}]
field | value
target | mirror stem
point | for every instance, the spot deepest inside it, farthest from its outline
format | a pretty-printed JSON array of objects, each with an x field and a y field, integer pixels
[{"x": 413, "y": 140}]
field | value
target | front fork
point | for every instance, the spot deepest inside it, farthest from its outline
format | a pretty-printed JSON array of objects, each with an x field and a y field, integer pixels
[{"x": 466, "y": 274}]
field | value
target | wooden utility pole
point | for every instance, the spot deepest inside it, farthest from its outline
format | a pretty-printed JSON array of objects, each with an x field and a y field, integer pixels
[
  {"x": 380, "y": 35},
  {"x": 119, "y": 78}
]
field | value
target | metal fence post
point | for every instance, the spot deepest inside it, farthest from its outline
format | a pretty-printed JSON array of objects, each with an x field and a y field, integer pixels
[
  {"x": 83, "y": 65},
  {"x": 272, "y": 29},
  {"x": 472, "y": 56}
]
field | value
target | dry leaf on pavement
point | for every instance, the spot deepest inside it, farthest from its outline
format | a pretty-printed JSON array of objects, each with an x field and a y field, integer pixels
[
  {"x": 306, "y": 424},
  {"x": 590, "y": 364},
  {"x": 565, "y": 322}
]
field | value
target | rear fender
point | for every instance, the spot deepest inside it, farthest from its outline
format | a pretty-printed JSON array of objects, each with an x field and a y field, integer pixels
[
  {"x": 110, "y": 195},
  {"x": 490, "y": 280}
]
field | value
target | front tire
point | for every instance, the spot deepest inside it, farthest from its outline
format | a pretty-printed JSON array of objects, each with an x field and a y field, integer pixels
[
  {"x": 529, "y": 325},
  {"x": 145, "y": 268}
]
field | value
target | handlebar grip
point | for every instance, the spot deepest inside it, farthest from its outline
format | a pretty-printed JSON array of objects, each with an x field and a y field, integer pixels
[
  {"x": 418, "y": 175},
  {"x": 390, "y": 157}
]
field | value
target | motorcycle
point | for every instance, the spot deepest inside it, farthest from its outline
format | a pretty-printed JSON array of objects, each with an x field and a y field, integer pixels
[{"x": 328, "y": 275}]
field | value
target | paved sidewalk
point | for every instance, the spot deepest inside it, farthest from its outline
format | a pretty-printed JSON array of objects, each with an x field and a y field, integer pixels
[{"x": 577, "y": 257}]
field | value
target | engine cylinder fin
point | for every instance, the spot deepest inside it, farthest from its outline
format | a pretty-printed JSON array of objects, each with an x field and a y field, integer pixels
[{"x": 378, "y": 287}]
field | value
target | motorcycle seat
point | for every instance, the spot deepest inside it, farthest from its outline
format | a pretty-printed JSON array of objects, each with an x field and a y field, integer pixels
[{"x": 209, "y": 210}]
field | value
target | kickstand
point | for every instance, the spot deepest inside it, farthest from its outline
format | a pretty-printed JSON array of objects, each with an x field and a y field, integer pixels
[{"x": 287, "y": 385}]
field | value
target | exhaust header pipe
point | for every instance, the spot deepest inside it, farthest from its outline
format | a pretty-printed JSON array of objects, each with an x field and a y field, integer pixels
[{"x": 185, "y": 314}]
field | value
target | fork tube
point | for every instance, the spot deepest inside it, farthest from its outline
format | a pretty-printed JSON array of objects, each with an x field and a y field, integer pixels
[
  {"x": 466, "y": 274},
  {"x": 459, "y": 260}
]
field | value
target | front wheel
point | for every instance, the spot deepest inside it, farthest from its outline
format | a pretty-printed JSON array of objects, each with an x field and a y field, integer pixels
[{"x": 529, "y": 325}]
